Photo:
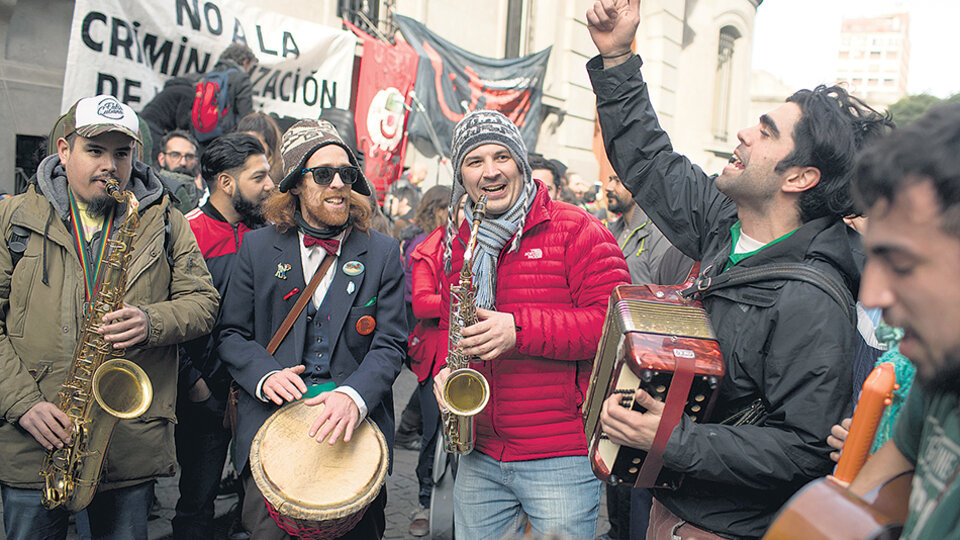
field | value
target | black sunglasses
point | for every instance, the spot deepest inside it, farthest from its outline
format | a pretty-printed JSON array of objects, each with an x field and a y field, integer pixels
[{"x": 323, "y": 175}]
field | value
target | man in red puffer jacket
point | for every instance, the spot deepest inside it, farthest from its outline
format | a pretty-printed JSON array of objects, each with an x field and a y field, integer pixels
[{"x": 543, "y": 273}]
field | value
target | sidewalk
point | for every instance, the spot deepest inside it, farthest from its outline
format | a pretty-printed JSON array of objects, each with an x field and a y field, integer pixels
[{"x": 402, "y": 489}]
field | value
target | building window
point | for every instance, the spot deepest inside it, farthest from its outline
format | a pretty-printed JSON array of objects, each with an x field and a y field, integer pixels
[
  {"x": 723, "y": 82},
  {"x": 31, "y": 149},
  {"x": 514, "y": 29},
  {"x": 363, "y": 13}
]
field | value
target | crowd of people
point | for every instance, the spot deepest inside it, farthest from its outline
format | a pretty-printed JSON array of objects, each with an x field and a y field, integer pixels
[{"x": 260, "y": 269}]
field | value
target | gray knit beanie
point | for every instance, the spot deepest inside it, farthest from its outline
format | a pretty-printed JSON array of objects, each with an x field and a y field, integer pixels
[{"x": 477, "y": 129}]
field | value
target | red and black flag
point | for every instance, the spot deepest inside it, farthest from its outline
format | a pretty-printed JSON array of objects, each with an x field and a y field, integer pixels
[{"x": 452, "y": 82}]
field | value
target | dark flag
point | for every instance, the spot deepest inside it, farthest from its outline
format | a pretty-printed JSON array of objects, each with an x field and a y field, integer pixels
[{"x": 452, "y": 82}]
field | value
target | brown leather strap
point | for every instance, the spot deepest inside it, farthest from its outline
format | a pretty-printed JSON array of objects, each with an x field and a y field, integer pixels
[
  {"x": 673, "y": 408},
  {"x": 299, "y": 304}
]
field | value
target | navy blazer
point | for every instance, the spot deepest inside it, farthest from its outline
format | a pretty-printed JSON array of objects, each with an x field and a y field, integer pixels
[{"x": 254, "y": 306}]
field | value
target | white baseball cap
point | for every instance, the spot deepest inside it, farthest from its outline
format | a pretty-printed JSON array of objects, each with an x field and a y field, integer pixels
[{"x": 93, "y": 116}]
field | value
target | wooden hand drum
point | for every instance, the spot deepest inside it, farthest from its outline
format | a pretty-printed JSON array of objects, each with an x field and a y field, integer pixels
[{"x": 316, "y": 490}]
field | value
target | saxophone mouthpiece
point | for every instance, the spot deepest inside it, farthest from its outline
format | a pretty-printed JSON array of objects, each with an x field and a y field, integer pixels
[{"x": 481, "y": 208}]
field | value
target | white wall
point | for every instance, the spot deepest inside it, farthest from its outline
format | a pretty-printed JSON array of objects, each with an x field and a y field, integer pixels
[{"x": 34, "y": 33}]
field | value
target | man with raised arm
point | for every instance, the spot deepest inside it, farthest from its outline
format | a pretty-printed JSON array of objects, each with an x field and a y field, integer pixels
[{"x": 788, "y": 345}]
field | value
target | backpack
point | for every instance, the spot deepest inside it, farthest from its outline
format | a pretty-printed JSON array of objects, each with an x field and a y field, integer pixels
[{"x": 212, "y": 115}]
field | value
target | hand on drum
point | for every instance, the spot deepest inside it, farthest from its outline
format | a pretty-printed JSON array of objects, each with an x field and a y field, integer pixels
[
  {"x": 284, "y": 385},
  {"x": 340, "y": 416},
  {"x": 627, "y": 427},
  {"x": 438, "y": 381}
]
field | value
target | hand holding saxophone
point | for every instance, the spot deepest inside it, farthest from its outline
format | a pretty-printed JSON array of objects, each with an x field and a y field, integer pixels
[
  {"x": 49, "y": 425},
  {"x": 438, "y": 381},
  {"x": 495, "y": 334},
  {"x": 627, "y": 427},
  {"x": 124, "y": 327}
]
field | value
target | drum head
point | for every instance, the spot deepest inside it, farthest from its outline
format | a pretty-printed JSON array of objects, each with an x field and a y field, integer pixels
[{"x": 304, "y": 479}]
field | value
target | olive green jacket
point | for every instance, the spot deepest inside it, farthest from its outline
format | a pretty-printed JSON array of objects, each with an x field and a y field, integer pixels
[{"x": 41, "y": 304}]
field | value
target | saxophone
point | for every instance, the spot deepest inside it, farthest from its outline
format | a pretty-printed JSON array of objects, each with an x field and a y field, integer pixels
[
  {"x": 466, "y": 391},
  {"x": 99, "y": 390}
]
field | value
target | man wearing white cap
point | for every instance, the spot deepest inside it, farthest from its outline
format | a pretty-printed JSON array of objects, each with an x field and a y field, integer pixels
[{"x": 56, "y": 236}]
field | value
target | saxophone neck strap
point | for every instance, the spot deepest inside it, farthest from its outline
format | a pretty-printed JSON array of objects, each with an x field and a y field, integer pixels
[{"x": 301, "y": 302}]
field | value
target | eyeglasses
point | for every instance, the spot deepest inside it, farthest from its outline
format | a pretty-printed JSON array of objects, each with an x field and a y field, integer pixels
[
  {"x": 323, "y": 175},
  {"x": 177, "y": 156}
]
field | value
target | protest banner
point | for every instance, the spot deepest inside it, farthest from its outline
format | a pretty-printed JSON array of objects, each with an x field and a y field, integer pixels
[{"x": 129, "y": 48}]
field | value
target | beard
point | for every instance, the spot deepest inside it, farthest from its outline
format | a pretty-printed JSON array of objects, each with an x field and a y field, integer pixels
[
  {"x": 320, "y": 213},
  {"x": 617, "y": 205},
  {"x": 101, "y": 206},
  {"x": 189, "y": 171},
  {"x": 943, "y": 378},
  {"x": 251, "y": 213}
]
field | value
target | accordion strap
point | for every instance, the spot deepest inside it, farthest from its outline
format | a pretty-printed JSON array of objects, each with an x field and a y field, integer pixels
[
  {"x": 672, "y": 412},
  {"x": 706, "y": 285}
]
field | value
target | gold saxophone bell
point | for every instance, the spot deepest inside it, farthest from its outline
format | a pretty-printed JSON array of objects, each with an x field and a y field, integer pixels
[
  {"x": 466, "y": 392},
  {"x": 122, "y": 388}
]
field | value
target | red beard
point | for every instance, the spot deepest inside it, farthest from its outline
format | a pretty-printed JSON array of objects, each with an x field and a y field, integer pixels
[{"x": 320, "y": 212}]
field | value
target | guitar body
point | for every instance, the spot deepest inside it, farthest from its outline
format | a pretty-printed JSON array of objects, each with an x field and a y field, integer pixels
[{"x": 823, "y": 510}]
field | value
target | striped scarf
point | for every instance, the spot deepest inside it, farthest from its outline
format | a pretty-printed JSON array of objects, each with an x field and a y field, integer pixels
[{"x": 493, "y": 235}]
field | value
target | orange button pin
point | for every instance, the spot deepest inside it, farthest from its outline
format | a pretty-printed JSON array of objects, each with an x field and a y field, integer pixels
[{"x": 365, "y": 325}]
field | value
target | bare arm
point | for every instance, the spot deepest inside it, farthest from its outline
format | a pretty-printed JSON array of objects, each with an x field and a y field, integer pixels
[{"x": 886, "y": 463}]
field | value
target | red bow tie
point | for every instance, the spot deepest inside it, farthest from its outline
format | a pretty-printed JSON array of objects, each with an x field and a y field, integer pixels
[{"x": 332, "y": 246}]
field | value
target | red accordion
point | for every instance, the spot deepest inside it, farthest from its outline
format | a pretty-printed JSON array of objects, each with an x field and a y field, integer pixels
[{"x": 658, "y": 341}]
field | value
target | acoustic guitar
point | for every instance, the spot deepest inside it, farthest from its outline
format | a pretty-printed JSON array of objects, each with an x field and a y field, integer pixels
[{"x": 825, "y": 510}]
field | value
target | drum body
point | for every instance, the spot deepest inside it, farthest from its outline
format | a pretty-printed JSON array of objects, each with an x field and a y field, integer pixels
[{"x": 316, "y": 490}]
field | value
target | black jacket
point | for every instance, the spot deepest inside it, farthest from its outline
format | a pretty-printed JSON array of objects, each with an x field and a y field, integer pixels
[
  {"x": 172, "y": 107},
  {"x": 169, "y": 110},
  {"x": 784, "y": 342}
]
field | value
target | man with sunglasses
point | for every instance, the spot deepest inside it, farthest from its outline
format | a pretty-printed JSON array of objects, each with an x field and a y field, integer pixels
[{"x": 352, "y": 332}]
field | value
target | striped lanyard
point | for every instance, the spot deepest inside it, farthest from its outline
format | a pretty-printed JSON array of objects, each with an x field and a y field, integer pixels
[{"x": 91, "y": 268}]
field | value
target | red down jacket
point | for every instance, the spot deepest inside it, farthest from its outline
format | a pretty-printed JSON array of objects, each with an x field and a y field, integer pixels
[
  {"x": 427, "y": 345},
  {"x": 556, "y": 285}
]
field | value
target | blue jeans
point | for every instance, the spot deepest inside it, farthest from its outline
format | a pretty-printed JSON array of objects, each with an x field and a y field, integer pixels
[
  {"x": 558, "y": 495},
  {"x": 118, "y": 514}
]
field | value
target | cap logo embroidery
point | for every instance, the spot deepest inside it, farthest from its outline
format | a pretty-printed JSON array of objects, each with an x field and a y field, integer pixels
[{"x": 110, "y": 108}]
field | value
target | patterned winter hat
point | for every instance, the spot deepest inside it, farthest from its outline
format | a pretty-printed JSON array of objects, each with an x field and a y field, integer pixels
[
  {"x": 477, "y": 129},
  {"x": 301, "y": 141}
]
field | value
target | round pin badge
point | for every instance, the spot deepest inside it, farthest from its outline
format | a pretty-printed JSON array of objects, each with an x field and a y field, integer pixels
[
  {"x": 353, "y": 268},
  {"x": 365, "y": 325}
]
